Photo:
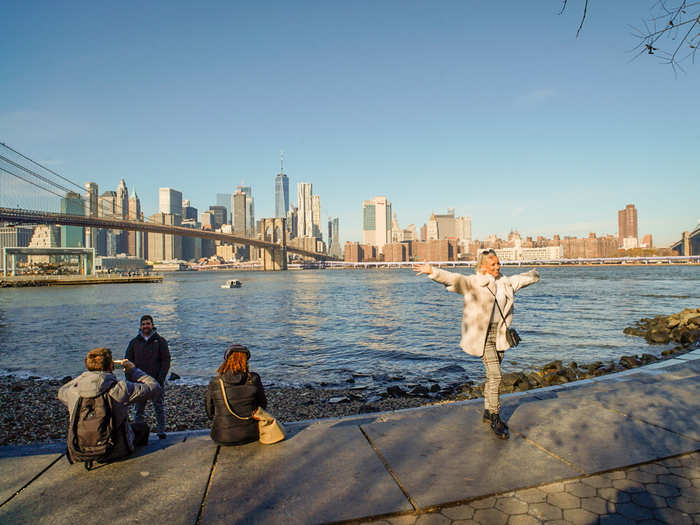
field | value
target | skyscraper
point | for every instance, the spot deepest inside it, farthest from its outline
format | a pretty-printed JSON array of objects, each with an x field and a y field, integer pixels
[
  {"x": 72, "y": 236},
  {"x": 122, "y": 202},
  {"x": 220, "y": 215},
  {"x": 627, "y": 226},
  {"x": 316, "y": 216},
  {"x": 334, "y": 247},
  {"x": 249, "y": 209},
  {"x": 135, "y": 239},
  {"x": 464, "y": 230},
  {"x": 281, "y": 192},
  {"x": 188, "y": 212},
  {"x": 91, "y": 192},
  {"x": 163, "y": 247},
  {"x": 376, "y": 222},
  {"x": 170, "y": 201},
  {"x": 121, "y": 209},
  {"x": 304, "y": 210},
  {"x": 239, "y": 212},
  {"x": 225, "y": 200}
]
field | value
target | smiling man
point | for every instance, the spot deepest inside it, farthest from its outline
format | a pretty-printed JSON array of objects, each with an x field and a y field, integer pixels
[{"x": 149, "y": 352}]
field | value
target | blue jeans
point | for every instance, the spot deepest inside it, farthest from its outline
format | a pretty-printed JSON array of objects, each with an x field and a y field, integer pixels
[{"x": 158, "y": 406}]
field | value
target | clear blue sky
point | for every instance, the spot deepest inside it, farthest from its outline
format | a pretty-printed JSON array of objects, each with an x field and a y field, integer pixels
[{"x": 493, "y": 108}]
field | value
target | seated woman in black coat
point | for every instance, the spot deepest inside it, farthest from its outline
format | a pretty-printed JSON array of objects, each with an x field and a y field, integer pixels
[{"x": 244, "y": 393}]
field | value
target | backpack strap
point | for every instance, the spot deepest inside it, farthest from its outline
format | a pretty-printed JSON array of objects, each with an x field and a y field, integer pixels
[{"x": 228, "y": 407}]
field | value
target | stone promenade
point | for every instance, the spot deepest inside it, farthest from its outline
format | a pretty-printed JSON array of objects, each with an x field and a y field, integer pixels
[{"x": 623, "y": 448}]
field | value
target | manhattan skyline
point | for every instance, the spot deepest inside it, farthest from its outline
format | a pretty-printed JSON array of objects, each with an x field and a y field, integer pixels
[{"x": 501, "y": 114}]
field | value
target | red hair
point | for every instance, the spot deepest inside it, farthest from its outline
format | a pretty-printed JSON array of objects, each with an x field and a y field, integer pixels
[{"x": 237, "y": 362}]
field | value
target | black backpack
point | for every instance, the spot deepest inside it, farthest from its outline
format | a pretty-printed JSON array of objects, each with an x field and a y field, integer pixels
[{"x": 91, "y": 433}]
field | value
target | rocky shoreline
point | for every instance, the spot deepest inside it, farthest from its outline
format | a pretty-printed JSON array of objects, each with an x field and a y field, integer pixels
[{"x": 32, "y": 413}]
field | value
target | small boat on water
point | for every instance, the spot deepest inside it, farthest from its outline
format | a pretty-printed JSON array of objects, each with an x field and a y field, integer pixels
[{"x": 232, "y": 283}]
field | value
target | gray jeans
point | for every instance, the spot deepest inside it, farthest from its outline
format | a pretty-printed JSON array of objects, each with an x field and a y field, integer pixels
[
  {"x": 158, "y": 406},
  {"x": 492, "y": 362}
]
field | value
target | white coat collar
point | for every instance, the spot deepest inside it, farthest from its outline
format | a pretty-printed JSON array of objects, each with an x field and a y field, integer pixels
[{"x": 483, "y": 279}]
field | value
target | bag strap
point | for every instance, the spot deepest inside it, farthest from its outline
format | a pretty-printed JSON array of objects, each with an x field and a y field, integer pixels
[
  {"x": 497, "y": 305},
  {"x": 223, "y": 394}
]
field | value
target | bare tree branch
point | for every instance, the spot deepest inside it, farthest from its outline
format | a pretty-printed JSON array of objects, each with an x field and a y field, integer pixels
[{"x": 663, "y": 32}]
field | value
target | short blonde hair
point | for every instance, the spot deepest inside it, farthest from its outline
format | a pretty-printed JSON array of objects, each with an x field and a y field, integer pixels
[{"x": 481, "y": 258}]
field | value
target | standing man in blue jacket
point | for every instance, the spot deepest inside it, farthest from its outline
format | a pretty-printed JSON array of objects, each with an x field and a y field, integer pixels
[{"x": 149, "y": 352}]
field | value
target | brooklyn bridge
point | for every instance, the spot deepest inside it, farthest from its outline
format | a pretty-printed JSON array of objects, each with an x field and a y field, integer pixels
[{"x": 31, "y": 193}]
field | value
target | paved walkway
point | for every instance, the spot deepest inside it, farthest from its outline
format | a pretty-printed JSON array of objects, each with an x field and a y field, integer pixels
[{"x": 623, "y": 448}]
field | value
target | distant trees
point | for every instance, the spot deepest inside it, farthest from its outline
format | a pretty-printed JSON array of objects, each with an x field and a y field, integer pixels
[{"x": 670, "y": 31}]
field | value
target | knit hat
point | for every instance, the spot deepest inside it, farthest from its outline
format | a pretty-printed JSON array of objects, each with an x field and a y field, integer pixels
[{"x": 236, "y": 348}]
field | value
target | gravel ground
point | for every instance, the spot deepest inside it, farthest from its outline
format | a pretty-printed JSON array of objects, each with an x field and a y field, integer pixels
[{"x": 31, "y": 412}]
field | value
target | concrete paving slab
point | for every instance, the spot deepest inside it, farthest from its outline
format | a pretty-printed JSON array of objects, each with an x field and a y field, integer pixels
[
  {"x": 671, "y": 405},
  {"x": 446, "y": 454},
  {"x": 324, "y": 472},
  {"x": 593, "y": 438},
  {"x": 166, "y": 480},
  {"x": 16, "y": 472}
]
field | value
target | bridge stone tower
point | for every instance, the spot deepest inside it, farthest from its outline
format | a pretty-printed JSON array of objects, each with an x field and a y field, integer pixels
[{"x": 274, "y": 230}]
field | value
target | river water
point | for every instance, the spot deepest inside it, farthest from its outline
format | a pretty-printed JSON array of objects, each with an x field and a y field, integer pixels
[{"x": 320, "y": 327}]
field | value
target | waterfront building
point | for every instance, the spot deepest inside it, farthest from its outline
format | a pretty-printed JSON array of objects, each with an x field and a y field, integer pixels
[
  {"x": 376, "y": 222},
  {"x": 334, "y": 248},
  {"x": 220, "y": 215},
  {"x": 396, "y": 252},
  {"x": 304, "y": 209},
  {"x": 518, "y": 253},
  {"x": 188, "y": 211},
  {"x": 627, "y": 225},
  {"x": 91, "y": 192},
  {"x": 44, "y": 236},
  {"x": 436, "y": 250},
  {"x": 170, "y": 201},
  {"x": 281, "y": 191},
  {"x": 121, "y": 263},
  {"x": 356, "y": 252},
  {"x": 14, "y": 237},
  {"x": 72, "y": 236},
  {"x": 316, "y": 216},
  {"x": 240, "y": 226},
  {"x": 647, "y": 241},
  {"x": 162, "y": 247}
]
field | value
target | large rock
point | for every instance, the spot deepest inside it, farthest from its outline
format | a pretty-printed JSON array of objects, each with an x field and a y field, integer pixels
[
  {"x": 630, "y": 361},
  {"x": 649, "y": 358},
  {"x": 396, "y": 391},
  {"x": 658, "y": 336},
  {"x": 554, "y": 365}
]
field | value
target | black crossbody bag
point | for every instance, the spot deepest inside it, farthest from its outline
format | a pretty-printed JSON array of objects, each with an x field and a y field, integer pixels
[{"x": 511, "y": 334}]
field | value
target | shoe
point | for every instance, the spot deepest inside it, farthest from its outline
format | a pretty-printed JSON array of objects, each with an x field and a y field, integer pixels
[
  {"x": 162, "y": 436},
  {"x": 499, "y": 427},
  {"x": 486, "y": 417}
]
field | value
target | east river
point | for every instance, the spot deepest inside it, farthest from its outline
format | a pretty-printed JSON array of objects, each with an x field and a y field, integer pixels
[{"x": 331, "y": 328}]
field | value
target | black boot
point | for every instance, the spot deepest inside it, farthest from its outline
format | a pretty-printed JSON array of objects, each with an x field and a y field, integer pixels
[
  {"x": 486, "y": 417},
  {"x": 499, "y": 427}
]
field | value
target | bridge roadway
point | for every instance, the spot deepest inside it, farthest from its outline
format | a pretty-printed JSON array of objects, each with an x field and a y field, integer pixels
[{"x": 41, "y": 217}]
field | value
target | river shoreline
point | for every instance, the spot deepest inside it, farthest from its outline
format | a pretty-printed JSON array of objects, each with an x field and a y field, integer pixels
[{"x": 33, "y": 414}]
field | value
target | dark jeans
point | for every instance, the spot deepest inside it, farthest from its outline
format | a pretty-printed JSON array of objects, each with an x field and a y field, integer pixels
[{"x": 141, "y": 433}]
